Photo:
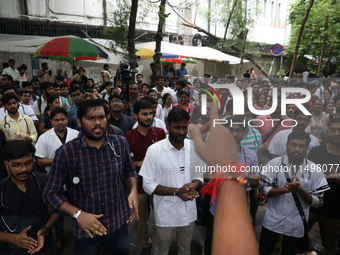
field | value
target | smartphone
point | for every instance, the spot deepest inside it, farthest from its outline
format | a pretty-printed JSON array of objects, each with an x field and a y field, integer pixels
[{"x": 50, "y": 72}]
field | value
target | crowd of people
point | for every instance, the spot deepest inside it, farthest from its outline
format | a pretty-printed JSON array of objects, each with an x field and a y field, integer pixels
[{"x": 108, "y": 152}]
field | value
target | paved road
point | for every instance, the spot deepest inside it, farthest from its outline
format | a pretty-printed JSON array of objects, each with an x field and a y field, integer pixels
[{"x": 136, "y": 247}]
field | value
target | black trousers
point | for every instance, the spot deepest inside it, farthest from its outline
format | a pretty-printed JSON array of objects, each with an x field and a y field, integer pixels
[
  {"x": 269, "y": 238},
  {"x": 209, "y": 235}
]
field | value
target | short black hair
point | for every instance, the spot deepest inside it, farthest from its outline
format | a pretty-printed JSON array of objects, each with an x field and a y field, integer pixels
[
  {"x": 56, "y": 85},
  {"x": 9, "y": 77},
  {"x": 184, "y": 92},
  {"x": 236, "y": 120},
  {"x": 139, "y": 74},
  {"x": 17, "y": 149},
  {"x": 160, "y": 77},
  {"x": 117, "y": 96},
  {"x": 35, "y": 80},
  {"x": 146, "y": 85},
  {"x": 7, "y": 97},
  {"x": 45, "y": 85},
  {"x": 73, "y": 89},
  {"x": 25, "y": 92},
  {"x": 63, "y": 85},
  {"x": 151, "y": 91},
  {"x": 297, "y": 112},
  {"x": 182, "y": 82},
  {"x": 26, "y": 84},
  {"x": 57, "y": 110},
  {"x": 336, "y": 99},
  {"x": 4, "y": 89},
  {"x": 334, "y": 120},
  {"x": 150, "y": 99},
  {"x": 141, "y": 105},
  {"x": 178, "y": 114},
  {"x": 85, "y": 106},
  {"x": 300, "y": 135},
  {"x": 44, "y": 64}
]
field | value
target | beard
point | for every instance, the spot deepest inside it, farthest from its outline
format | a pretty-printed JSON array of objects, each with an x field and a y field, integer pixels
[
  {"x": 90, "y": 136},
  {"x": 143, "y": 124}
]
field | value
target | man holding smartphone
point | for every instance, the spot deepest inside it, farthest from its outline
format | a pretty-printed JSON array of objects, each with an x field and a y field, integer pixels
[{"x": 44, "y": 74}]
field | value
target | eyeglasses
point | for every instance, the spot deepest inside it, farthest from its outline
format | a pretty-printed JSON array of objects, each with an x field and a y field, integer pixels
[
  {"x": 22, "y": 165},
  {"x": 117, "y": 102},
  {"x": 237, "y": 130},
  {"x": 334, "y": 130}
]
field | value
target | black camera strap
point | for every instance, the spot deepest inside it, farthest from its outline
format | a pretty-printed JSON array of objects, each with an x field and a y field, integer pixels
[{"x": 298, "y": 205}]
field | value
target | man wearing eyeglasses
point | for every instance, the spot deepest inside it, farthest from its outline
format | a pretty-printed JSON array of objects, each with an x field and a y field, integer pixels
[
  {"x": 327, "y": 156},
  {"x": 24, "y": 220},
  {"x": 277, "y": 146},
  {"x": 117, "y": 117}
]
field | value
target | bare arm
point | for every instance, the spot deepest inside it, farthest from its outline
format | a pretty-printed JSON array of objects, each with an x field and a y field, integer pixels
[
  {"x": 240, "y": 237},
  {"x": 131, "y": 183},
  {"x": 87, "y": 221},
  {"x": 45, "y": 161}
]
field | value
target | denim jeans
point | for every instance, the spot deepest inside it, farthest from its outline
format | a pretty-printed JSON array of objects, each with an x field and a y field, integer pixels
[{"x": 117, "y": 243}]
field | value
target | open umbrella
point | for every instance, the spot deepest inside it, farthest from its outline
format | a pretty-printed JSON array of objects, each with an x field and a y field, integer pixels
[{"x": 70, "y": 48}]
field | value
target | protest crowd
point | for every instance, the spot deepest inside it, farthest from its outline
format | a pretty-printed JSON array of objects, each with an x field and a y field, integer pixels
[{"x": 109, "y": 152}]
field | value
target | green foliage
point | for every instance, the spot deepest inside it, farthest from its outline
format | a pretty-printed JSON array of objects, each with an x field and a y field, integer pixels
[
  {"x": 119, "y": 22},
  {"x": 312, "y": 38}
]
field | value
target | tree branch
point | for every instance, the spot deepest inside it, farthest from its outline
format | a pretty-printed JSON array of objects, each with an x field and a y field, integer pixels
[{"x": 232, "y": 48}]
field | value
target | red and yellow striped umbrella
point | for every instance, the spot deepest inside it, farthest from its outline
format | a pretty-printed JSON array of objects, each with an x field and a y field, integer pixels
[{"x": 70, "y": 48}]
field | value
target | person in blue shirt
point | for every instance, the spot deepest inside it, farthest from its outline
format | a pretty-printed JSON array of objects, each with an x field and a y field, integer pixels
[{"x": 181, "y": 71}]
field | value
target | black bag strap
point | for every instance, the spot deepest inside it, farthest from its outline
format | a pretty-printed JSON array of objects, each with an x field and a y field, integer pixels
[
  {"x": 272, "y": 131},
  {"x": 298, "y": 204}
]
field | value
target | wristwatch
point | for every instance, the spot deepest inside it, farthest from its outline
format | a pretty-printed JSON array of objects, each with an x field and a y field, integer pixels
[{"x": 176, "y": 191}]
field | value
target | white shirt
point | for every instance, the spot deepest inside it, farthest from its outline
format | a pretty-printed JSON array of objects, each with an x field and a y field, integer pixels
[
  {"x": 281, "y": 214},
  {"x": 36, "y": 109},
  {"x": 23, "y": 109},
  {"x": 12, "y": 72},
  {"x": 49, "y": 142},
  {"x": 159, "y": 112},
  {"x": 160, "y": 167},
  {"x": 164, "y": 91},
  {"x": 155, "y": 123},
  {"x": 277, "y": 145}
]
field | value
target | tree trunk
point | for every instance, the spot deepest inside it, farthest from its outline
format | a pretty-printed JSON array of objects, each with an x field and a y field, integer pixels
[
  {"x": 297, "y": 44},
  {"x": 131, "y": 34},
  {"x": 324, "y": 41},
  {"x": 229, "y": 19},
  {"x": 158, "y": 39},
  {"x": 242, "y": 53}
]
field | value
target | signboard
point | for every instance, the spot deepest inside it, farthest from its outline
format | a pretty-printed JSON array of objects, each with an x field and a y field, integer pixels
[{"x": 276, "y": 49}]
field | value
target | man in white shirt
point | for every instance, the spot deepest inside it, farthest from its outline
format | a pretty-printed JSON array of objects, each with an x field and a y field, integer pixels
[
  {"x": 283, "y": 178},
  {"x": 161, "y": 89},
  {"x": 168, "y": 172},
  {"x": 12, "y": 72},
  {"x": 277, "y": 146},
  {"x": 51, "y": 140}
]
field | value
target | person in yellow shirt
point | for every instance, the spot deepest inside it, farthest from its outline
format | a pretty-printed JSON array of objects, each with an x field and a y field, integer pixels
[{"x": 14, "y": 125}]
